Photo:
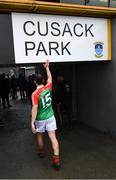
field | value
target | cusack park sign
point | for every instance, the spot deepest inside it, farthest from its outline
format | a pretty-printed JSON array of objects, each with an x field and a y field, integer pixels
[{"x": 59, "y": 38}]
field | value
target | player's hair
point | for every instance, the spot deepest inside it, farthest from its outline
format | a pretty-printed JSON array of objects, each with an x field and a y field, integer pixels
[{"x": 38, "y": 79}]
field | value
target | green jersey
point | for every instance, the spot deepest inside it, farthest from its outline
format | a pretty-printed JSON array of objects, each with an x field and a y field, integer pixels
[{"x": 43, "y": 98}]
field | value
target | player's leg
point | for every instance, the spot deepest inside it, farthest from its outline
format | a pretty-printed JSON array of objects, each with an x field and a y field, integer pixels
[
  {"x": 54, "y": 141},
  {"x": 40, "y": 128},
  {"x": 51, "y": 127},
  {"x": 40, "y": 144},
  {"x": 55, "y": 146}
]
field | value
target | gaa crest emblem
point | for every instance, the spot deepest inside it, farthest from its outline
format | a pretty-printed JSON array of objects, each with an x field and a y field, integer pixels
[{"x": 98, "y": 49}]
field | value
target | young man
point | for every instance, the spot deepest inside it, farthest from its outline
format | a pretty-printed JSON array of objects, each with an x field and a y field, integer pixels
[{"x": 43, "y": 115}]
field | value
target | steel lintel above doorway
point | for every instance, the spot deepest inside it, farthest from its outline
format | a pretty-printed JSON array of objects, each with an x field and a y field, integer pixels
[{"x": 34, "y": 6}]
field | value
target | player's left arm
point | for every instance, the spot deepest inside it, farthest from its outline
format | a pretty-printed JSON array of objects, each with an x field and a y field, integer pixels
[
  {"x": 33, "y": 113},
  {"x": 33, "y": 117}
]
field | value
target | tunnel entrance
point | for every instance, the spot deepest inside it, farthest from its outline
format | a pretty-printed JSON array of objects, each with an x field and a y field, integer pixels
[
  {"x": 63, "y": 92},
  {"x": 64, "y": 83}
]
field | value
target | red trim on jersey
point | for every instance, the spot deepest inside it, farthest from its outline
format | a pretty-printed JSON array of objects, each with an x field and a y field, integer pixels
[
  {"x": 37, "y": 92},
  {"x": 48, "y": 85}
]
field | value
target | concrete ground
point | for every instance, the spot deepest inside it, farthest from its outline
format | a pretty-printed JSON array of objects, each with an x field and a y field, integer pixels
[{"x": 85, "y": 152}]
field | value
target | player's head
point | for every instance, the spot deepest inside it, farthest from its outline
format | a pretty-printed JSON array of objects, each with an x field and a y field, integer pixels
[{"x": 38, "y": 79}]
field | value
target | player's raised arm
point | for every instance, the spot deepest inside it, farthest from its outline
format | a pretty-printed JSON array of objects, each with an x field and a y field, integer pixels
[{"x": 49, "y": 76}]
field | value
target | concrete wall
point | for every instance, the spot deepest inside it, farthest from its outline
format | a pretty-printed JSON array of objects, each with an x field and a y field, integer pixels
[
  {"x": 6, "y": 40},
  {"x": 96, "y": 91},
  {"x": 73, "y": 1}
]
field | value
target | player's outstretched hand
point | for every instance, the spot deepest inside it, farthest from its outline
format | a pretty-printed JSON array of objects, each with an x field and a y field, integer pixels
[{"x": 46, "y": 64}]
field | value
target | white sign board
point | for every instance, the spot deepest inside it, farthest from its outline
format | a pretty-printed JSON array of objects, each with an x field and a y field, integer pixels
[{"x": 38, "y": 37}]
